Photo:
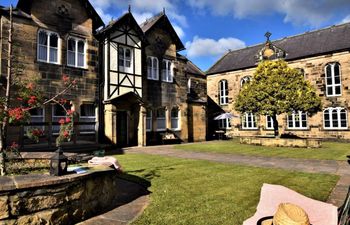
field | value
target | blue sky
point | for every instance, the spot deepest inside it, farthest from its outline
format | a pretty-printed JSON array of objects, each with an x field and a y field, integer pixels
[{"x": 209, "y": 28}]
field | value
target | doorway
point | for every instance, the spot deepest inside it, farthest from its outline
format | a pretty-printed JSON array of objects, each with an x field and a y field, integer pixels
[{"x": 122, "y": 129}]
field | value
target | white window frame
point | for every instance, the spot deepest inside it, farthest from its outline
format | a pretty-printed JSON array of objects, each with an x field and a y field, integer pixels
[
  {"x": 153, "y": 69},
  {"x": 248, "y": 118},
  {"x": 224, "y": 124},
  {"x": 167, "y": 72},
  {"x": 333, "y": 85},
  {"x": 75, "y": 52},
  {"x": 333, "y": 126},
  {"x": 269, "y": 123},
  {"x": 177, "y": 119},
  {"x": 88, "y": 119},
  {"x": 223, "y": 92},
  {"x": 159, "y": 119},
  {"x": 149, "y": 120},
  {"x": 124, "y": 68},
  {"x": 245, "y": 79},
  {"x": 58, "y": 49},
  {"x": 297, "y": 118}
]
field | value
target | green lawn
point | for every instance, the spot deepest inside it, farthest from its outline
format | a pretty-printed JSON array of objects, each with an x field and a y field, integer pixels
[
  {"x": 329, "y": 150},
  {"x": 201, "y": 192}
]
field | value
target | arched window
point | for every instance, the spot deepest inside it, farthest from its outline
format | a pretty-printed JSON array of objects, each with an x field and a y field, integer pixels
[
  {"x": 297, "y": 120},
  {"x": 175, "y": 118},
  {"x": 167, "y": 71},
  {"x": 125, "y": 59},
  {"x": 335, "y": 118},
  {"x": 333, "y": 79},
  {"x": 269, "y": 123},
  {"x": 149, "y": 120},
  {"x": 223, "y": 92},
  {"x": 48, "y": 47},
  {"x": 249, "y": 121},
  {"x": 152, "y": 68},
  {"x": 245, "y": 80},
  {"x": 76, "y": 52},
  {"x": 161, "y": 119}
]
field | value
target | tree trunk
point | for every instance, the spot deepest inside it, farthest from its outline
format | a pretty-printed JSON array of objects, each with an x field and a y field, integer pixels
[
  {"x": 2, "y": 155},
  {"x": 3, "y": 128},
  {"x": 275, "y": 125}
]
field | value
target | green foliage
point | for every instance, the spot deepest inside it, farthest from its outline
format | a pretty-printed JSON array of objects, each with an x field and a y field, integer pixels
[{"x": 276, "y": 89}]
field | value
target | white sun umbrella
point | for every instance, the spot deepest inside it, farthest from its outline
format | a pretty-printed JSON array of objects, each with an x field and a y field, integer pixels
[{"x": 225, "y": 116}]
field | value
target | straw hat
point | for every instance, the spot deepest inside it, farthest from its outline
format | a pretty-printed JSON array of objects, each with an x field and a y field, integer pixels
[{"x": 287, "y": 214}]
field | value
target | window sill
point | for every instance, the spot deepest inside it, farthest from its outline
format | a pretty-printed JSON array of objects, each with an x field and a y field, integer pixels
[
  {"x": 177, "y": 129},
  {"x": 249, "y": 129},
  {"x": 49, "y": 63},
  {"x": 76, "y": 67},
  {"x": 148, "y": 78},
  {"x": 332, "y": 96},
  {"x": 169, "y": 82},
  {"x": 335, "y": 129},
  {"x": 161, "y": 129}
]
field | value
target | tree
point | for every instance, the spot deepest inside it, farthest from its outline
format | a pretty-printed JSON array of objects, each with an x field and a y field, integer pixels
[{"x": 276, "y": 89}]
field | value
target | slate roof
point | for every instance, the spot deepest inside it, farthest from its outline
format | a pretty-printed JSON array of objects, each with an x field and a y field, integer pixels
[
  {"x": 25, "y": 6},
  {"x": 125, "y": 18},
  {"x": 152, "y": 22},
  {"x": 193, "y": 69},
  {"x": 318, "y": 42}
]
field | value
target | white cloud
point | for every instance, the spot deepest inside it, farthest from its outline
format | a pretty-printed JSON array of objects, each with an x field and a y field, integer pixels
[
  {"x": 180, "y": 32},
  {"x": 104, "y": 16},
  {"x": 346, "y": 19},
  {"x": 143, "y": 7},
  {"x": 210, "y": 47},
  {"x": 302, "y": 12},
  {"x": 141, "y": 17}
]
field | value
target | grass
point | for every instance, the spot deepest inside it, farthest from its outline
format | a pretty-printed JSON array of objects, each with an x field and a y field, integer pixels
[
  {"x": 201, "y": 192},
  {"x": 329, "y": 150}
]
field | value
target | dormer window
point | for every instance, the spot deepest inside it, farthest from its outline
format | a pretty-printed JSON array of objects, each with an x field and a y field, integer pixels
[
  {"x": 125, "y": 59},
  {"x": 167, "y": 71},
  {"x": 76, "y": 52},
  {"x": 152, "y": 68},
  {"x": 48, "y": 47}
]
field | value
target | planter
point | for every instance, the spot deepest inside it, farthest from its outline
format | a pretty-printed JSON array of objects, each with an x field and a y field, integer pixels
[{"x": 282, "y": 142}]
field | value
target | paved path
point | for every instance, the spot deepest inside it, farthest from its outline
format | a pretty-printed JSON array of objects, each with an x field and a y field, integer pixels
[
  {"x": 121, "y": 215},
  {"x": 340, "y": 168}
]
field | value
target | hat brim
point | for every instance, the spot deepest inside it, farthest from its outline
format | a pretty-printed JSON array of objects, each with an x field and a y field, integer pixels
[{"x": 265, "y": 221}]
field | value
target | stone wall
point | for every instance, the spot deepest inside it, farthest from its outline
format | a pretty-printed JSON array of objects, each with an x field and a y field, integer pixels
[
  {"x": 314, "y": 72},
  {"x": 42, "y": 199},
  {"x": 281, "y": 142},
  {"x": 48, "y": 75}
]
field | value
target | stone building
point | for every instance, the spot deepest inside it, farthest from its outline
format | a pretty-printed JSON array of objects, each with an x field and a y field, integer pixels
[
  {"x": 52, "y": 38},
  {"x": 152, "y": 94},
  {"x": 322, "y": 55}
]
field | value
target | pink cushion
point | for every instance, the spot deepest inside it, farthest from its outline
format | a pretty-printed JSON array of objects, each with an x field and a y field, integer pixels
[{"x": 271, "y": 196}]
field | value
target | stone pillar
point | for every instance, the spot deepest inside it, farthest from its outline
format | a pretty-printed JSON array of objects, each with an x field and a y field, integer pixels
[
  {"x": 141, "y": 128},
  {"x": 111, "y": 123}
]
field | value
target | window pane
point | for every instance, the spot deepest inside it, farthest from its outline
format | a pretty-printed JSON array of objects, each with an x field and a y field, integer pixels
[
  {"x": 54, "y": 40},
  {"x": 337, "y": 90},
  {"x": 42, "y": 54},
  {"x": 53, "y": 55},
  {"x": 329, "y": 74},
  {"x": 42, "y": 38},
  {"x": 81, "y": 60},
  {"x": 71, "y": 45},
  {"x": 121, "y": 56},
  {"x": 343, "y": 121},
  {"x": 334, "y": 118},
  {"x": 336, "y": 74},
  {"x": 326, "y": 118},
  {"x": 81, "y": 46},
  {"x": 330, "y": 90},
  {"x": 87, "y": 110}
]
